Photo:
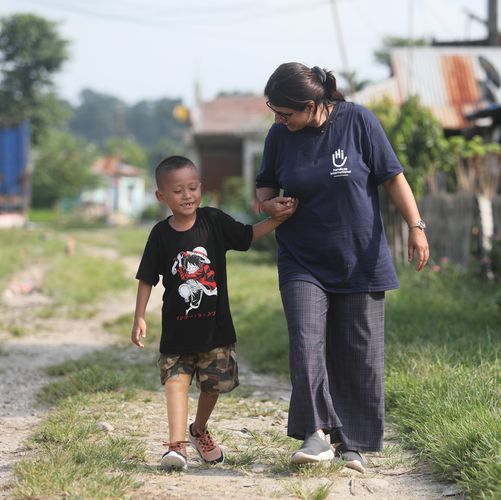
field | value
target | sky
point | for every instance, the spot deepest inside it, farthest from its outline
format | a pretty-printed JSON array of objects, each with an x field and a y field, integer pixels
[{"x": 149, "y": 49}]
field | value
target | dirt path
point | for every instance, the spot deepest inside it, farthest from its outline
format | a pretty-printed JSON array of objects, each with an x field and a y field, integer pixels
[{"x": 30, "y": 343}]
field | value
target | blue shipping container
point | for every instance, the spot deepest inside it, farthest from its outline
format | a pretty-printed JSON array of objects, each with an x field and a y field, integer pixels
[{"x": 14, "y": 151}]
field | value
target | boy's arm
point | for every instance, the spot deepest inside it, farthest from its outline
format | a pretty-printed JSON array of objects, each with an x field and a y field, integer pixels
[
  {"x": 264, "y": 227},
  {"x": 139, "y": 326}
]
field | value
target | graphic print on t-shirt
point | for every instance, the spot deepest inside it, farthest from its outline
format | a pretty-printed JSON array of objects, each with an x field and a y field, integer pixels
[
  {"x": 199, "y": 279},
  {"x": 339, "y": 159}
]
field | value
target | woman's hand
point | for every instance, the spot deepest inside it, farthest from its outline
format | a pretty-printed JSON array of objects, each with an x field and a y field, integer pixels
[
  {"x": 279, "y": 208},
  {"x": 418, "y": 245},
  {"x": 400, "y": 193}
]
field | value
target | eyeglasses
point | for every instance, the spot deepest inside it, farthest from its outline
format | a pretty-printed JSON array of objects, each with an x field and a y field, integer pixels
[{"x": 279, "y": 113}]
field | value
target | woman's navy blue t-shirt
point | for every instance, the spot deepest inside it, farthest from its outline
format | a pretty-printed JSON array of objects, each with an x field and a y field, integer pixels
[{"x": 336, "y": 237}]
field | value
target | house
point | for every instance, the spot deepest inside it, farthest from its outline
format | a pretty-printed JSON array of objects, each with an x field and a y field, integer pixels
[
  {"x": 120, "y": 195},
  {"x": 461, "y": 86},
  {"x": 455, "y": 83},
  {"x": 226, "y": 139}
]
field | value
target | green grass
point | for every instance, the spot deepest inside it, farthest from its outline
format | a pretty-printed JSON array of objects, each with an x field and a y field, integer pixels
[
  {"x": 122, "y": 326},
  {"x": 443, "y": 345},
  {"x": 81, "y": 279},
  {"x": 443, "y": 375},
  {"x": 120, "y": 369},
  {"x": 23, "y": 247},
  {"x": 17, "y": 330},
  {"x": 129, "y": 240},
  {"x": 257, "y": 312},
  {"x": 45, "y": 216},
  {"x": 76, "y": 458},
  {"x": 442, "y": 368}
]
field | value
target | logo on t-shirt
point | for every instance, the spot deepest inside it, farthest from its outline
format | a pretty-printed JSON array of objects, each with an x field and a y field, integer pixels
[
  {"x": 197, "y": 276},
  {"x": 339, "y": 160}
]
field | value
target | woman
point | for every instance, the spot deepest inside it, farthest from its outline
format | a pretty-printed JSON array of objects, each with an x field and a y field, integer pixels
[{"x": 333, "y": 259}]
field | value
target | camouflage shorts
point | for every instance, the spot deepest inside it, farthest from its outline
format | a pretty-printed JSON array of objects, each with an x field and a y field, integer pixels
[{"x": 215, "y": 371}]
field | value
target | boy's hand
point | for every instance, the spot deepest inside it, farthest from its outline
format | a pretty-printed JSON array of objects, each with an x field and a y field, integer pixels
[
  {"x": 289, "y": 207},
  {"x": 138, "y": 331}
]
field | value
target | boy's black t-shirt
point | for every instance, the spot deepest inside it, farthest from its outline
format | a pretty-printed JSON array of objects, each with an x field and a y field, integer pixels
[{"x": 196, "y": 312}]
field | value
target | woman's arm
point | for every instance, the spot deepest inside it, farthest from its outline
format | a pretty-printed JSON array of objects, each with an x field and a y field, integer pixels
[{"x": 401, "y": 195}]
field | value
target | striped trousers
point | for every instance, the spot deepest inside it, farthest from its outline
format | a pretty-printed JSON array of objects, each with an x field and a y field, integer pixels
[{"x": 336, "y": 360}]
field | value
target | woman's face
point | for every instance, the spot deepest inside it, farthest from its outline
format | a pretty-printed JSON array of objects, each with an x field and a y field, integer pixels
[{"x": 293, "y": 119}]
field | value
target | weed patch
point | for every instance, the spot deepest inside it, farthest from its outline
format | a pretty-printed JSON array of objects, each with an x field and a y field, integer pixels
[
  {"x": 80, "y": 280},
  {"x": 78, "y": 459}
]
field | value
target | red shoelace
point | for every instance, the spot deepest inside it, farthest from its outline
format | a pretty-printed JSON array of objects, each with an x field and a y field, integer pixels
[
  {"x": 177, "y": 446},
  {"x": 205, "y": 441}
]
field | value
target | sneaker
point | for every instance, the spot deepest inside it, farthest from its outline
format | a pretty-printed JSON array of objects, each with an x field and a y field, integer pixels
[
  {"x": 176, "y": 457},
  {"x": 352, "y": 459},
  {"x": 314, "y": 449},
  {"x": 207, "y": 448},
  {"x": 336, "y": 439}
]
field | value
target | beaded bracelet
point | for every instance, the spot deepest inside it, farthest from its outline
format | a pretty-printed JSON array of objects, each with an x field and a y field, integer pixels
[{"x": 260, "y": 208}]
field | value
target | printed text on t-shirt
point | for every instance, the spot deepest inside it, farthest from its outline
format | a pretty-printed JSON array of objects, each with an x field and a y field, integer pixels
[{"x": 339, "y": 160}]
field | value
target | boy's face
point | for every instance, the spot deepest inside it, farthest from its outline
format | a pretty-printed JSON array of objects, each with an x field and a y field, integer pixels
[{"x": 180, "y": 190}]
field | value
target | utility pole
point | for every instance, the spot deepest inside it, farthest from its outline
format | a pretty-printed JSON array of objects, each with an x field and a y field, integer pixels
[
  {"x": 493, "y": 39},
  {"x": 492, "y": 23},
  {"x": 410, "y": 51},
  {"x": 340, "y": 41}
]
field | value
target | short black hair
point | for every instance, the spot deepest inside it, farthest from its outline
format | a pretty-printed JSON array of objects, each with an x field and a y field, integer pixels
[{"x": 171, "y": 163}]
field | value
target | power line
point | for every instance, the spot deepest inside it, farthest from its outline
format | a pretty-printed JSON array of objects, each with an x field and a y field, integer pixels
[{"x": 225, "y": 15}]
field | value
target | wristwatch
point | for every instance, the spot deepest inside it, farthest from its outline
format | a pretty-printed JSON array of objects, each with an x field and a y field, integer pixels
[{"x": 420, "y": 224}]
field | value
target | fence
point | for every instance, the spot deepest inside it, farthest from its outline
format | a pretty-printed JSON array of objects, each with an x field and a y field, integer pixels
[{"x": 453, "y": 226}]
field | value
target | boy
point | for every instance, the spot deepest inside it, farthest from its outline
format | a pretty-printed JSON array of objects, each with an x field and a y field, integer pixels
[{"x": 189, "y": 250}]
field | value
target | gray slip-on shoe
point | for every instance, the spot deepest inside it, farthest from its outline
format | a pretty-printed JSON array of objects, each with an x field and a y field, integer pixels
[
  {"x": 352, "y": 459},
  {"x": 314, "y": 449}
]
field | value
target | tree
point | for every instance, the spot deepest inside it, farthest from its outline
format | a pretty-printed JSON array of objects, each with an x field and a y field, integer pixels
[
  {"x": 128, "y": 150},
  {"x": 163, "y": 148},
  {"x": 98, "y": 117},
  {"x": 31, "y": 51},
  {"x": 382, "y": 55},
  {"x": 62, "y": 169},
  {"x": 418, "y": 140},
  {"x": 354, "y": 83},
  {"x": 152, "y": 121}
]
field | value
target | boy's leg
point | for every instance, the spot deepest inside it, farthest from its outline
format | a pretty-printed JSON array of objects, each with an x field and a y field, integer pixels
[
  {"x": 217, "y": 372},
  {"x": 176, "y": 372},
  {"x": 176, "y": 393},
  {"x": 206, "y": 403}
]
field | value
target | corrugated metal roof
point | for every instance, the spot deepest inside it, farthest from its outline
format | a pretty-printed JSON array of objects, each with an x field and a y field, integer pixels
[
  {"x": 450, "y": 81},
  {"x": 375, "y": 92},
  {"x": 112, "y": 166},
  {"x": 234, "y": 115}
]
